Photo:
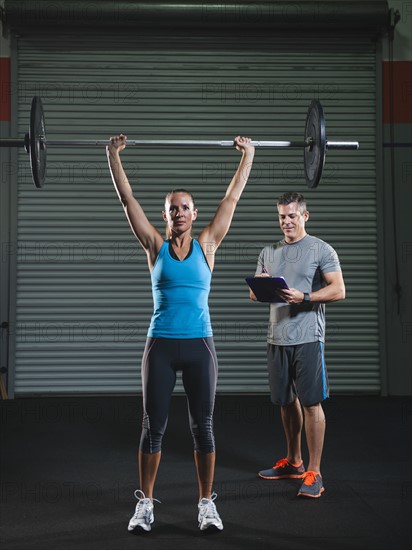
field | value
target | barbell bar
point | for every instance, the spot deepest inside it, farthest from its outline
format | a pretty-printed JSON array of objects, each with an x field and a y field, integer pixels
[
  {"x": 314, "y": 143},
  {"x": 198, "y": 143}
]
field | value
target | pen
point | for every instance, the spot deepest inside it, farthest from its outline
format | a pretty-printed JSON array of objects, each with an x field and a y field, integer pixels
[{"x": 264, "y": 270}]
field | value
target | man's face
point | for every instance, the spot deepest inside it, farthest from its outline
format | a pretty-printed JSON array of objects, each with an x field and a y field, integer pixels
[{"x": 292, "y": 221}]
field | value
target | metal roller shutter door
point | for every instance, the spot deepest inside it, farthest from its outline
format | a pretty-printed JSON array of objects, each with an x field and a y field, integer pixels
[{"x": 83, "y": 294}]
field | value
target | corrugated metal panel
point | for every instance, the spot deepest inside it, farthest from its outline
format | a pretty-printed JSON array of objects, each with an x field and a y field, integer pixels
[
  {"x": 369, "y": 17},
  {"x": 83, "y": 288}
]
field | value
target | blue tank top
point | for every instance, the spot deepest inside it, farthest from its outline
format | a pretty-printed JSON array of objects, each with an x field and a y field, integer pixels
[{"x": 180, "y": 295}]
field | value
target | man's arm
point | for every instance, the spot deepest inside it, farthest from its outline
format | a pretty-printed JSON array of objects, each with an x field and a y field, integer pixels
[{"x": 332, "y": 292}]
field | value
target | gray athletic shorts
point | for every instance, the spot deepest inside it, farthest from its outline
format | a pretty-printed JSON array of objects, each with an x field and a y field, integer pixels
[{"x": 297, "y": 371}]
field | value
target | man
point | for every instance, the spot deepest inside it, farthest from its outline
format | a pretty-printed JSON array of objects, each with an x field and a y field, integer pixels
[{"x": 296, "y": 336}]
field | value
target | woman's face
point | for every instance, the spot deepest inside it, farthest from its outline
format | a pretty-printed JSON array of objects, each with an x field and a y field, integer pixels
[{"x": 179, "y": 213}]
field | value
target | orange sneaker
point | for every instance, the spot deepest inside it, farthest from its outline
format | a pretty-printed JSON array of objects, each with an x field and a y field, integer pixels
[
  {"x": 312, "y": 485},
  {"x": 283, "y": 469}
]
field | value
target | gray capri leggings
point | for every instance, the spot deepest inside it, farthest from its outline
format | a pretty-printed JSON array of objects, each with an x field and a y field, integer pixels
[{"x": 162, "y": 358}]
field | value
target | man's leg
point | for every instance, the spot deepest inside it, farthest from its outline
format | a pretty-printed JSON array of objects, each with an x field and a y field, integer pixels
[
  {"x": 292, "y": 420},
  {"x": 315, "y": 426}
]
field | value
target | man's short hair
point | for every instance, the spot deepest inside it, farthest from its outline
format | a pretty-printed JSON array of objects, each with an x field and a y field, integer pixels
[{"x": 293, "y": 196}]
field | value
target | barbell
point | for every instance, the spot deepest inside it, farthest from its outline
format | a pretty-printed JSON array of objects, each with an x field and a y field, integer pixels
[{"x": 314, "y": 143}]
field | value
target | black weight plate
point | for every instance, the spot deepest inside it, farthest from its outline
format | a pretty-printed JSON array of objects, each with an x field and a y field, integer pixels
[
  {"x": 314, "y": 155},
  {"x": 37, "y": 140}
]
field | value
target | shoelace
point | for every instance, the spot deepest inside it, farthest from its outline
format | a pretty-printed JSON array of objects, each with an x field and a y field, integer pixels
[
  {"x": 140, "y": 500},
  {"x": 209, "y": 509},
  {"x": 309, "y": 478},
  {"x": 282, "y": 463}
]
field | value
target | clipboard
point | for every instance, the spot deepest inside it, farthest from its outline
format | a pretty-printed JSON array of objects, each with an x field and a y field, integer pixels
[{"x": 265, "y": 288}]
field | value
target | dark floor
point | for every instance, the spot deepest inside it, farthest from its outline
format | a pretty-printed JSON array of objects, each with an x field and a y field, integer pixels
[{"x": 68, "y": 472}]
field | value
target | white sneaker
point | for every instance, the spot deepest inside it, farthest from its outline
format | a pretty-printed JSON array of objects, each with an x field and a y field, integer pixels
[
  {"x": 208, "y": 515},
  {"x": 143, "y": 516}
]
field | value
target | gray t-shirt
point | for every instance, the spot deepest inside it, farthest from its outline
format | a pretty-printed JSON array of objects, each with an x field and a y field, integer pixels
[{"x": 301, "y": 264}]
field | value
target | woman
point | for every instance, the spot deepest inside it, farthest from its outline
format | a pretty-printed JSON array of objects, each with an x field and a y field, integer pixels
[{"x": 180, "y": 333}]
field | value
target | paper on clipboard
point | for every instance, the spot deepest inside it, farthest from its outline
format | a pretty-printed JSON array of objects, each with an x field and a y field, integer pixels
[{"x": 265, "y": 288}]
